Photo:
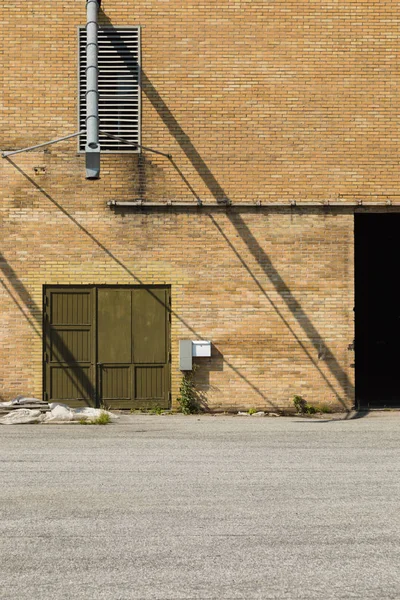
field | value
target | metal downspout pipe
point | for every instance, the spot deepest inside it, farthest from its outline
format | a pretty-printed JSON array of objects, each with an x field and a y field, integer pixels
[{"x": 92, "y": 148}]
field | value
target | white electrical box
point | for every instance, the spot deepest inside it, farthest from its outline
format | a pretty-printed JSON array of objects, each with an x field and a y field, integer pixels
[
  {"x": 201, "y": 348},
  {"x": 189, "y": 349}
]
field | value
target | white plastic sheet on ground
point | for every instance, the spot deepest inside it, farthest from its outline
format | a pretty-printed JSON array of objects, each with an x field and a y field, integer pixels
[
  {"x": 58, "y": 413},
  {"x": 63, "y": 412},
  {"x": 22, "y": 416}
]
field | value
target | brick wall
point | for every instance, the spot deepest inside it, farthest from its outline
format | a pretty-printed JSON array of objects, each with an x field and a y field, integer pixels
[{"x": 256, "y": 101}]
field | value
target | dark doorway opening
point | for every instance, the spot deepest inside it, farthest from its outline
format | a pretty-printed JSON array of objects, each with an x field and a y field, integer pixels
[{"x": 377, "y": 310}]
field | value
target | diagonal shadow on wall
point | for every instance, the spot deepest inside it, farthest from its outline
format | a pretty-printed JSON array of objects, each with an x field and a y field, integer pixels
[
  {"x": 29, "y": 302},
  {"x": 276, "y": 308},
  {"x": 15, "y": 288},
  {"x": 12, "y": 294},
  {"x": 177, "y": 132},
  {"x": 259, "y": 254}
]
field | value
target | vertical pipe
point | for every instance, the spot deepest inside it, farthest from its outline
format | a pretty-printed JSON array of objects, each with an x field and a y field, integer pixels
[{"x": 92, "y": 148}]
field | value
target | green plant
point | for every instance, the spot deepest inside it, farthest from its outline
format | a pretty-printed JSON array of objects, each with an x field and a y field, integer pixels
[
  {"x": 299, "y": 404},
  {"x": 303, "y": 407},
  {"x": 102, "y": 419},
  {"x": 252, "y": 411},
  {"x": 156, "y": 410},
  {"x": 323, "y": 408},
  {"x": 187, "y": 400}
]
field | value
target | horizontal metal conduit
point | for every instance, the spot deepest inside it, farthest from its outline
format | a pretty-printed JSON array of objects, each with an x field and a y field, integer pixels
[{"x": 244, "y": 205}]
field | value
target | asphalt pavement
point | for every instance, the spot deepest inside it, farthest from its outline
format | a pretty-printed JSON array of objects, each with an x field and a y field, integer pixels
[{"x": 173, "y": 507}]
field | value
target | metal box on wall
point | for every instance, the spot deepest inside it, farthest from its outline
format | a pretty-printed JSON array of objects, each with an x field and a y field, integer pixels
[
  {"x": 189, "y": 349},
  {"x": 185, "y": 355},
  {"x": 201, "y": 348}
]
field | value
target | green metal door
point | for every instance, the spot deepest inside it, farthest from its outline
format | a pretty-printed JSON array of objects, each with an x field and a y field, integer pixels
[
  {"x": 132, "y": 343},
  {"x": 114, "y": 347},
  {"x": 108, "y": 345},
  {"x": 69, "y": 346},
  {"x": 150, "y": 340}
]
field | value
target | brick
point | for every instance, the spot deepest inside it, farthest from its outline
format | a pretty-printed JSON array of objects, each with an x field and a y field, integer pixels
[{"x": 256, "y": 101}]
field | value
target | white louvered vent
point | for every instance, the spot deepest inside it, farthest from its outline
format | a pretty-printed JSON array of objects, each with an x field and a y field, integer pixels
[{"x": 119, "y": 86}]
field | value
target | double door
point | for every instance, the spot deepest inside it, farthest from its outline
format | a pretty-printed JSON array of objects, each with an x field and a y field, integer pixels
[{"x": 107, "y": 346}]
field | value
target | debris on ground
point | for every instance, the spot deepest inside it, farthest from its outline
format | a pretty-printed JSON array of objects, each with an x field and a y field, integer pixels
[
  {"x": 25, "y": 401},
  {"x": 63, "y": 413},
  {"x": 259, "y": 413},
  {"x": 37, "y": 411},
  {"x": 22, "y": 416}
]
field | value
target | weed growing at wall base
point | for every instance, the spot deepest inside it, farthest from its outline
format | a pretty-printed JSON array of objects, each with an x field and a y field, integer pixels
[
  {"x": 102, "y": 419},
  {"x": 187, "y": 398},
  {"x": 303, "y": 407}
]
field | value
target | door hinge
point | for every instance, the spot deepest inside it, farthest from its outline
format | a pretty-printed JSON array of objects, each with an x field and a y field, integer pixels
[
  {"x": 169, "y": 357},
  {"x": 46, "y": 396},
  {"x": 45, "y": 357}
]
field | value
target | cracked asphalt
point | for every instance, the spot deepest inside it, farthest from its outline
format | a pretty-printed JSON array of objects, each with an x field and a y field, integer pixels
[{"x": 173, "y": 507}]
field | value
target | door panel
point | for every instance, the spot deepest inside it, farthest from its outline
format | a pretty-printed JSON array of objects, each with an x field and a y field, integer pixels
[
  {"x": 70, "y": 384},
  {"x": 116, "y": 383},
  {"x": 150, "y": 382},
  {"x": 114, "y": 346},
  {"x": 73, "y": 342},
  {"x": 68, "y": 327},
  {"x": 114, "y": 325},
  {"x": 149, "y": 312},
  {"x": 71, "y": 307}
]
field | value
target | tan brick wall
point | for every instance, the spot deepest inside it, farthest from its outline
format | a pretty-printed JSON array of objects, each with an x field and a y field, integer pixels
[
  {"x": 255, "y": 101},
  {"x": 273, "y": 291}
]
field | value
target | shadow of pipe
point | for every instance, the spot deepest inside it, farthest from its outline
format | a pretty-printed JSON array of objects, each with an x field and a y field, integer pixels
[
  {"x": 253, "y": 246},
  {"x": 165, "y": 114},
  {"x": 19, "y": 305},
  {"x": 278, "y": 312},
  {"x": 293, "y": 305},
  {"x": 219, "y": 194},
  {"x": 84, "y": 385},
  {"x": 29, "y": 302},
  {"x": 350, "y": 416}
]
